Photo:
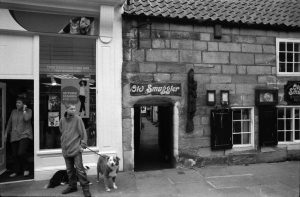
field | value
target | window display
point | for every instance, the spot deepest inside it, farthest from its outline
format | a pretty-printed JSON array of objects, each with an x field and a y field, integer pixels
[{"x": 67, "y": 76}]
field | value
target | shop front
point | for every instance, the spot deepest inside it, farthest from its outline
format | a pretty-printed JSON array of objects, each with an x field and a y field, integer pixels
[{"x": 56, "y": 54}]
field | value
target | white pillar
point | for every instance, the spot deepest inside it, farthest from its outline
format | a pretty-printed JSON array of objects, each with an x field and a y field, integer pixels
[{"x": 109, "y": 87}]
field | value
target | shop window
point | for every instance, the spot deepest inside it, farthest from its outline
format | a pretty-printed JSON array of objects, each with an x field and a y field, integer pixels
[
  {"x": 242, "y": 126},
  {"x": 288, "y": 121},
  {"x": 67, "y": 75},
  {"x": 288, "y": 56}
]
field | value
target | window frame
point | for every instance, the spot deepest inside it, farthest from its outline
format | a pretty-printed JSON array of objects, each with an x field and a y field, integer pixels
[
  {"x": 293, "y": 125},
  {"x": 278, "y": 41},
  {"x": 251, "y": 116}
]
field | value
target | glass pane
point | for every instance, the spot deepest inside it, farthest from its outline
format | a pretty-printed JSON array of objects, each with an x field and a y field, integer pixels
[
  {"x": 297, "y": 47},
  {"x": 282, "y": 67},
  {"x": 282, "y": 46},
  {"x": 69, "y": 78},
  {"x": 297, "y": 124},
  {"x": 280, "y": 124},
  {"x": 288, "y": 124},
  {"x": 280, "y": 112},
  {"x": 1, "y": 107},
  {"x": 246, "y": 138},
  {"x": 289, "y": 57},
  {"x": 297, "y": 57},
  {"x": 288, "y": 113},
  {"x": 297, "y": 135},
  {"x": 236, "y": 138},
  {"x": 289, "y": 46},
  {"x": 289, "y": 67},
  {"x": 296, "y": 67},
  {"x": 245, "y": 114},
  {"x": 297, "y": 113},
  {"x": 288, "y": 136},
  {"x": 236, "y": 127},
  {"x": 237, "y": 114},
  {"x": 280, "y": 136},
  {"x": 246, "y": 126},
  {"x": 282, "y": 57}
]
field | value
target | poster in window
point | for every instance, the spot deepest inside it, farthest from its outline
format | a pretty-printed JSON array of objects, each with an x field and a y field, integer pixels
[
  {"x": 53, "y": 103},
  {"x": 53, "y": 119},
  {"x": 76, "y": 92}
]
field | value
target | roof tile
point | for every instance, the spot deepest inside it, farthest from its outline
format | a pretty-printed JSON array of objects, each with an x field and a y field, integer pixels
[{"x": 269, "y": 12}]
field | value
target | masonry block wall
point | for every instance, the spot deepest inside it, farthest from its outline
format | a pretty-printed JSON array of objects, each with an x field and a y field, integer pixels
[{"x": 242, "y": 60}]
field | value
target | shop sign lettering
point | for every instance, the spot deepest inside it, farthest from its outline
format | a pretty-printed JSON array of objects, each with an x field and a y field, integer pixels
[
  {"x": 292, "y": 92},
  {"x": 169, "y": 89}
]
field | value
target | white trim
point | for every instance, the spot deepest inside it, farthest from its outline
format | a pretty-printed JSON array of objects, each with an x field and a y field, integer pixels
[
  {"x": 176, "y": 130},
  {"x": 278, "y": 40},
  {"x": 251, "y": 145},
  {"x": 31, "y": 77}
]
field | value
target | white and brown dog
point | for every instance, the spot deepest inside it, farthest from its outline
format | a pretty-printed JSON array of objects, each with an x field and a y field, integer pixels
[{"x": 108, "y": 166}]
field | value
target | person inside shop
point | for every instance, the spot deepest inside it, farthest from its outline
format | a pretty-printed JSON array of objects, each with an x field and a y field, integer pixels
[
  {"x": 82, "y": 96},
  {"x": 73, "y": 141},
  {"x": 20, "y": 130}
]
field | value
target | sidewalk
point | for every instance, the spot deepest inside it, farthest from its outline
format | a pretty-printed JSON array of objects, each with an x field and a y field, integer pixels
[{"x": 261, "y": 180}]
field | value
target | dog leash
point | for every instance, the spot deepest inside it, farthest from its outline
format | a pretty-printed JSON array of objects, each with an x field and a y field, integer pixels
[{"x": 95, "y": 152}]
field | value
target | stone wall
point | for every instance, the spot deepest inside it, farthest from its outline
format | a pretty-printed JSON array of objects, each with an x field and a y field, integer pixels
[{"x": 242, "y": 60}]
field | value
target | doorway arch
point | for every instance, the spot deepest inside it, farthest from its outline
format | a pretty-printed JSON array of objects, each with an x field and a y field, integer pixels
[{"x": 154, "y": 134}]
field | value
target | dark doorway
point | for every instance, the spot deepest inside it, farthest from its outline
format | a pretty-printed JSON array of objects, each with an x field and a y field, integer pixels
[
  {"x": 153, "y": 137},
  {"x": 13, "y": 90}
]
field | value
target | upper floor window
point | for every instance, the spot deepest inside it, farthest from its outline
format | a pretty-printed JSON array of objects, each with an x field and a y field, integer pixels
[{"x": 288, "y": 56}]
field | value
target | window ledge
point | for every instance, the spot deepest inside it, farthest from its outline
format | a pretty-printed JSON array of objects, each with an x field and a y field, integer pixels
[
  {"x": 290, "y": 146},
  {"x": 239, "y": 149}
]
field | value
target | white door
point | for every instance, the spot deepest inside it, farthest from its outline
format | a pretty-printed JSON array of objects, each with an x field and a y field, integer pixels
[{"x": 2, "y": 127}]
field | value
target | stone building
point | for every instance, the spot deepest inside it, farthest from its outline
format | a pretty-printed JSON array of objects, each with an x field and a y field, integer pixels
[{"x": 246, "y": 59}]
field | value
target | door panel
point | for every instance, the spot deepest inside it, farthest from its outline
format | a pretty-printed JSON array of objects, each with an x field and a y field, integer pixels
[{"x": 2, "y": 127}]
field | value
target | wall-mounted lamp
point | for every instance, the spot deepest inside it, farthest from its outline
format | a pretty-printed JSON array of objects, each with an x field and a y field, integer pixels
[
  {"x": 211, "y": 97},
  {"x": 224, "y": 97}
]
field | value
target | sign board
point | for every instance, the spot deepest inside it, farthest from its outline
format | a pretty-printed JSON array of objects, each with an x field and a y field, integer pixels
[
  {"x": 164, "y": 89},
  {"x": 292, "y": 92}
]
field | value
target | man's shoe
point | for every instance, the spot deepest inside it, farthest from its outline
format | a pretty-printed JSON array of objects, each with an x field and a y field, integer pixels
[{"x": 69, "y": 190}]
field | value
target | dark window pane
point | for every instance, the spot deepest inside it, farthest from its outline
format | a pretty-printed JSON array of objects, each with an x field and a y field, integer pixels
[
  {"x": 297, "y": 113},
  {"x": 245, "y": 114},
  {"x": 237, "y": 139},
  {"x": 246, "y": 138},
  {"x": 281, "y": 136},
  {"x": 296, "y": 67},
  {"x": 236, "y": 127},
  {"x": 282, "y": 57},
  {"x": 289, "y": 57},
  {"x": 246, "y": 126},
  {"x": 288, "y": 136},
  {"x": 280, "y": 113},
  {"x": 282, "y": 67},
  {"x": 280, "y": 124},
  {"x": 282, "y": 46},
  {"x": 237, "y": 115},
  {"x": 289, "y": 46},
  {"x": 288, "y": 113},
  {"x": 288, "y": 124},
  {"x": 297, "y": 57},
  {"x": 297, "y": 47},
  {"x": 297, "y": 135},
  {"x": 289, "y": 67},
  {"x": 297, "y": 124}
]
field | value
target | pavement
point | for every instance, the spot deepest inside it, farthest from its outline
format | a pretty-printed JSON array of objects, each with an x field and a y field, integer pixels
[{"x": 255, "y": 180}]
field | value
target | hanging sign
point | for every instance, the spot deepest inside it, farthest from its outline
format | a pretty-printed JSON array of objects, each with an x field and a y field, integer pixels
[
  {"x": 292, "y": 92},
  {"x": 166, "y": 89}
]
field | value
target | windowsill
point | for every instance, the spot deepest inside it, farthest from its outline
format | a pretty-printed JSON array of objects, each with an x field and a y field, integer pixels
[
  {"x": 288, "y": 74},
  {"x": 239, "y": 149},
  {"x": 55, "y": 152},
  {"x": 290, "y": 146}
]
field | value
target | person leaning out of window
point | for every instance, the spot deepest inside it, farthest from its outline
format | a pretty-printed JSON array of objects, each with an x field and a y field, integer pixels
[{"x": 20, "y": 130}]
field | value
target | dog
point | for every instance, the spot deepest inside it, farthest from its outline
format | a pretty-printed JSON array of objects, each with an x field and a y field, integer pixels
[
  {"x": 108, "y": 167},
  {"x": 60, "y": 178}
]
